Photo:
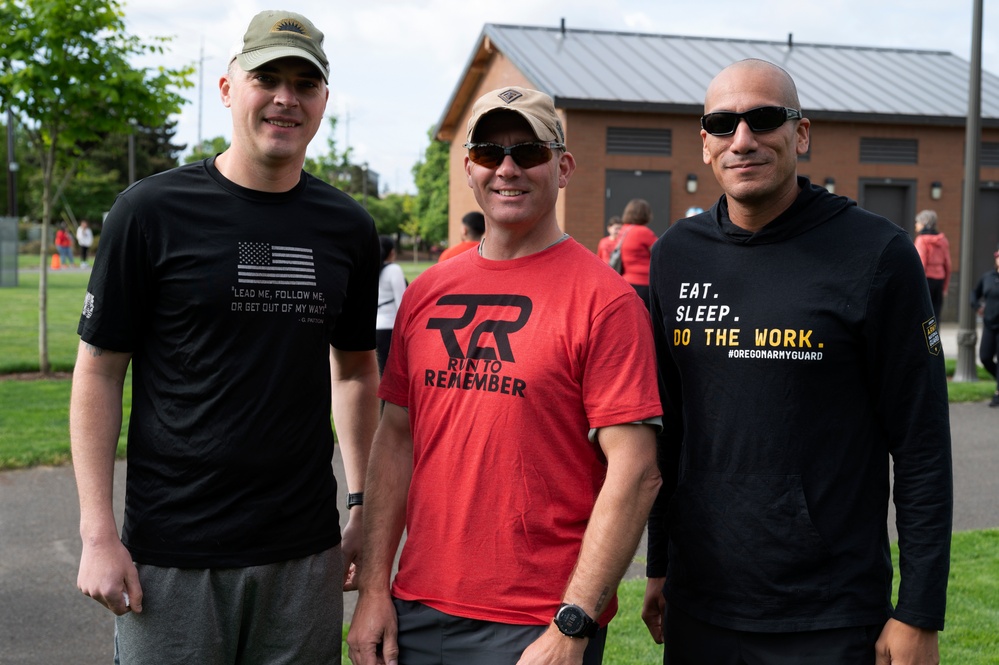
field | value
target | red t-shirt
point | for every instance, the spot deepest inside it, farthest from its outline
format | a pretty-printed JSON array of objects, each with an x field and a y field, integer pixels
[
  {"x": 505, "y": 366},
  {"x": 452, "y": 252},
  {"x": 636, "y": 252},
  {"x": 605, "y": 247}
]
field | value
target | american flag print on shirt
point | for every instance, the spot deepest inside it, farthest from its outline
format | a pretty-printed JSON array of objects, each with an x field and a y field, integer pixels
[{"x": 263, "y": 263}]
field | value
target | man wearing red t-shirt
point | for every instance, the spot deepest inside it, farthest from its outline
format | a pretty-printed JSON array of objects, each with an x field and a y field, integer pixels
[
  {"x": 517, "y": 443},
  {"x": 473, "y": 225},
  {"x": 609, "y": 241}
]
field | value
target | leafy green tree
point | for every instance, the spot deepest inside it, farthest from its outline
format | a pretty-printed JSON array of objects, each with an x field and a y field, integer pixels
[
  {"x": 103, "y": 173},
  {"x": 208, "y": 148},
  {"x": 65, "y": 72},
  {"x": 390, "y": 212},
  {"x": 431, "y": 204},
  {"x": 333, "y": 167}
]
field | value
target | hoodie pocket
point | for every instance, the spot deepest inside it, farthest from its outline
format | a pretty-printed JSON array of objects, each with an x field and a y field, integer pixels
[{"x": 747, "y": 540}]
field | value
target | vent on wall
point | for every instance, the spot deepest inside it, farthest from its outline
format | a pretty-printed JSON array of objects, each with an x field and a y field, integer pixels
[
  {"x": 889, "y": 151},
  {"x": 990, "y": 153},
  {"x": 635, "y": 141}
]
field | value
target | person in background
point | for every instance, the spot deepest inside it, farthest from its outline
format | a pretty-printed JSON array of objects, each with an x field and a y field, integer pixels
[
  {"x": 391, "y": 285},
  {"x": 799, "y": 372},
  {"x": 85, "y": 239},
  {"x": 473, "y": 226},
  {"x": 636, "y": 244},
  {"x": 934, "y": 252},
  {"x": 608, "y": 242},
  {"x": 64, "y": 245},
  {"x": 985, "y": 299},
  {"x": 513, "y": 449},
  {"x": 229, "y": 284}
]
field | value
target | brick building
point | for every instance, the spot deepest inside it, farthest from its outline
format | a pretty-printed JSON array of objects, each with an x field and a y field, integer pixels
[{"x": 887, "y": 124}]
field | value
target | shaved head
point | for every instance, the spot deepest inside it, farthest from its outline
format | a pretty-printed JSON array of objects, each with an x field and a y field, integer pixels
[{"x": 732, "y": 76}]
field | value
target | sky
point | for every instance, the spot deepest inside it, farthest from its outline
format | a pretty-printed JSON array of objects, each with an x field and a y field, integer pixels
[{"x": 395, "y": 64}]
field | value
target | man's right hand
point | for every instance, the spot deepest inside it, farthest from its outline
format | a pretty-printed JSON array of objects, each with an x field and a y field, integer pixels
[
  {"x": 654, "y": 607},
  {"x": 107, "y": 574},
  {"x": 374, "y": 631}
]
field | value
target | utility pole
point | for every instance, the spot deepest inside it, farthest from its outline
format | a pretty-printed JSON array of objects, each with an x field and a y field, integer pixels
[
  {"x": 131, "y": 150},
  {"x": 965, "y": 369},
  {"x": 11, "y": 166},
  {"x": 364, "y": 185},
  {"x": 201, "y": 87}
]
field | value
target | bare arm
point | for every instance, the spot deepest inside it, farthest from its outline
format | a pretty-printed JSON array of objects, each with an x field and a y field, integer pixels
[
  {"x": 373, "y": 629},
  {"x": 611, "y": 537},
  {"x": 95, "y": 417},
  {"x": 354, "y": 377}
]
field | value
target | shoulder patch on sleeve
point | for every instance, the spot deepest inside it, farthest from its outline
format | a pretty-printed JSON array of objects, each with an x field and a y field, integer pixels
[{"x": 931, "y": 331}]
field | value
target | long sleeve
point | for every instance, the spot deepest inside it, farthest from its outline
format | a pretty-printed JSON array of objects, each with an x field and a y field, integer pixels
[
  {"x": 668, "y": 442},
  {"x": 910, "y": 387}
]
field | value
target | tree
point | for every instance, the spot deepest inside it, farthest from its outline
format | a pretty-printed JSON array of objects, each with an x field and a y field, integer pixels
[
  {"x": 208, "y": 148},
  {"x": 66, "y": 75},
  {"x": 103, "y": 173},
  {"x": 334, "y": 166},
  {"x": 390, "y": 212},
  {"x": 431, "y": 177}
]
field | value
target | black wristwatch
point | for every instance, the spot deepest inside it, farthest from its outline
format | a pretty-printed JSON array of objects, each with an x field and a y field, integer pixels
[{"x": 574, "y": 622}]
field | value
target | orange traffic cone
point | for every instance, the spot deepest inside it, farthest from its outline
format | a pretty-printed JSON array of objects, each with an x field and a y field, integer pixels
[{"x": 56, "y": 264}]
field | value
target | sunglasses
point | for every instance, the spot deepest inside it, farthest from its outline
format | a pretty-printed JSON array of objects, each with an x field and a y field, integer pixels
[
  {"x": 762, "y": 119},
  {"x": 526, "y": 155}
]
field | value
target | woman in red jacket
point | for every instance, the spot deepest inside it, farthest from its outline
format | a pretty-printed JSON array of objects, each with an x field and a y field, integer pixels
[
  {"x": 934, "y": 250},
  {"x": 636, "y": 242}
]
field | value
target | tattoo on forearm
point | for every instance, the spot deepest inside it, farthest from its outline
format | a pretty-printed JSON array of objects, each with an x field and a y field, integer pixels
[
  {"x": 602, "y": 599},
  {"x": 94, "y": 351}
]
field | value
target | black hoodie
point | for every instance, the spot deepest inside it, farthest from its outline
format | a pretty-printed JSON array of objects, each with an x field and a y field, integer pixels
[{"x": 794, "y": 361}]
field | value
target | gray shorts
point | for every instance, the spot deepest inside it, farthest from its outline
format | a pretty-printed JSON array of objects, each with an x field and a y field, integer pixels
[
  {"x": 286, "y": 612},
  {"x": 430, "y": 637}
]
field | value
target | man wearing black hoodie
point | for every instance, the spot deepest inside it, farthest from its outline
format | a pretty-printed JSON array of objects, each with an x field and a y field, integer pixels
[
  {"x": 985, "y": 298},
  {"x": 798, "y": 352}
]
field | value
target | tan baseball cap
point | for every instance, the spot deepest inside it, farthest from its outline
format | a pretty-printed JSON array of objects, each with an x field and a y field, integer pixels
[
  {"x": 276, "y": 34},
  {"x": 535, "y": 107}
]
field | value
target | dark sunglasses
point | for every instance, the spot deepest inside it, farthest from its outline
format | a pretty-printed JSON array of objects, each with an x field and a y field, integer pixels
[
  {"x": 527, "y": 155},
  {"x": 762, "y": 119}
]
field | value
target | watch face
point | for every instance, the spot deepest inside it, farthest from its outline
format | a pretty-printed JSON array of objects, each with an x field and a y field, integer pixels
[{"x": 570, "y": 620}]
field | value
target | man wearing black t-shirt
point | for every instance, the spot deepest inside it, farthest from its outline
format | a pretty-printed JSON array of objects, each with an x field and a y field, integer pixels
[{"x": 236, "y": 287}]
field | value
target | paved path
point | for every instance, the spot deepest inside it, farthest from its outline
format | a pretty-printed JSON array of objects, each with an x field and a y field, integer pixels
[{"x": 44, "y": 619}]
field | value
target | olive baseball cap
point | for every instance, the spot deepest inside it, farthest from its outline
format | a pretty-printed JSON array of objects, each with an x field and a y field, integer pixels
[
  {"x": 274, "y": 34},
  {"x": 535, "y": 107}
]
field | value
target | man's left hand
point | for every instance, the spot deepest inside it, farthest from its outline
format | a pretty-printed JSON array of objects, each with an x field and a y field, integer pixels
[
  {"x": 350, "y": 545},
  {"x": 554, "y": 648},
  {"x": 902, "y": 644}
]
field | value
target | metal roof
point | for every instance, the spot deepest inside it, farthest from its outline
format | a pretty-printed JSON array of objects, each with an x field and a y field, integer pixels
[{"x": 593, "y": 69}]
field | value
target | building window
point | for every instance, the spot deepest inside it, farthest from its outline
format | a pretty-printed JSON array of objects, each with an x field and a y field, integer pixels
[
  {"x": 635, "y": 141},
  {"x": 889, "y": 151},
  {"x": 990, "y": 153}
]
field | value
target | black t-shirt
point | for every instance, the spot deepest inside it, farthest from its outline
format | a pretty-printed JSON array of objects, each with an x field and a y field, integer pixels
[{"x": 229, "y": 300}]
